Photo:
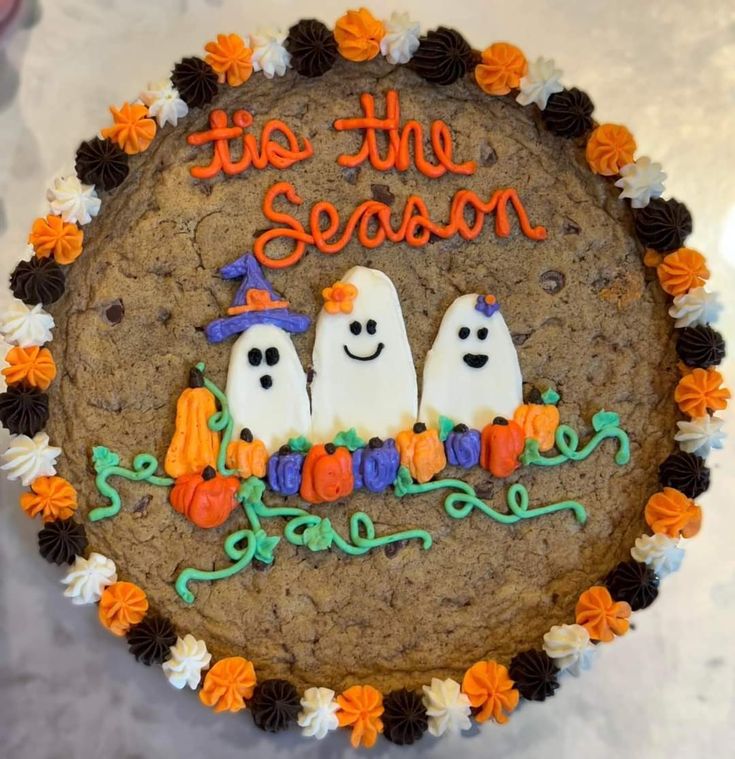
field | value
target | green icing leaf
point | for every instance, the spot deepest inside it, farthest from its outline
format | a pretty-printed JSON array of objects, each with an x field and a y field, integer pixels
[
  {"x": 349, "y": 439},
  {"x": 319, "y": 537},
  {"x": 251, "y": 490},
  {"x": 264, "y": 546},
  {"x": 103, "y": 458},
  {"x": 446, "y": 425},
  {"x": 299, "y": 444},
  {"x": 403, "y": 482},
  {"x": 603, "y": 419},
  {"x": 550, "y": 397},
  {"x": 531, "y": 452}
]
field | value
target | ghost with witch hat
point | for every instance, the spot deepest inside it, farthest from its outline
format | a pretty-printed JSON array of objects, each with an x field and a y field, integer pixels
[
  {"x": 471, "y": 373},
  {"x": 364, "y": 372},
  {"x": 266, "y": 384}
]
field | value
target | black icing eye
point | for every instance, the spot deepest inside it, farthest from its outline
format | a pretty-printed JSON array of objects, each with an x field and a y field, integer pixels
[
  {"x": 482, "y": 333},
  {"x": 355, "y": 328},
  {"x": 371, "y": 326},
  {"x": 255, "y": 356},
  {"x": 272, "y": 356},
  {"x": 464, "y": 333}
]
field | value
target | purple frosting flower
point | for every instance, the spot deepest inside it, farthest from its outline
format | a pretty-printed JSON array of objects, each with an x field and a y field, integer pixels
[{"x": 487, "y": 304}]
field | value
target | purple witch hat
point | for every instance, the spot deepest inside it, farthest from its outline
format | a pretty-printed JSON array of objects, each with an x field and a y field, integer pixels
[{"x": 255, "y": 302}]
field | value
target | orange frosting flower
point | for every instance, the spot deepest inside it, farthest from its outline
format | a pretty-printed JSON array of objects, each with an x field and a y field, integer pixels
[
  {"x": 672, "y": 513},
  {"x": 609, "y": 148},
  {"x": 52, "y": 236},
  {"x": 602, "y": 617},
  {"x": 681, "y": 271},
  {"x": 51, "y": 497},
  {"x": 701, "y": 391},
  {"x": 360, "y": 707},
  {"x": 122, "y": 605},
  {"x": 490, "y": 689},
  {"x": 501, "y": 69},
  {"x": 358, "y": 35},
  {"x": 339, "y": 297},
  {"x": 133, "y": 131},
  {"x": 231, "y": 58},
  {"x": 652, "y": 257},
  {"x": 228, "y": 684},
  {"x": 34, "y": 365}
]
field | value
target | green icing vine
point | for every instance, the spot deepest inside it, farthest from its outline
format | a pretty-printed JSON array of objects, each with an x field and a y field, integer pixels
[{"x": 219, "y": 421}]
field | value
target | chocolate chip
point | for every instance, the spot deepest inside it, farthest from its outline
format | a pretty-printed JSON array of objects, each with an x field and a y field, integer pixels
[
  {"x": 570, "y": 227},
  {"x": 552, "y": 281},
  {"x": 351, "y": 175},
  {"x": 382, "y": 193},
  {"x": 520, "y": 337},
  {"x": 393, "y": 548},
  {"x": 488, "y": 156},
  {"x": 142, "y": 506},
  {"x": 310, "y": 374},
  {"x": 114, "y": 312},
  {"x": 261, "y": 566},
  {"x": 163, "y": 315}
]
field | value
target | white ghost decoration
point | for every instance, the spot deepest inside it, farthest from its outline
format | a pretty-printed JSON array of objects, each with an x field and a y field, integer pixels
[
  {"x": 364, "y": 373},
  {"x": 471, "y": 373},
  {"x": 266, "y": 387}
]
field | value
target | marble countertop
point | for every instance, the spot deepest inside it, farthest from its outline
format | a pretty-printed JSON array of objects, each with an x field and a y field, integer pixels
[{"x": 666, "y": 68}]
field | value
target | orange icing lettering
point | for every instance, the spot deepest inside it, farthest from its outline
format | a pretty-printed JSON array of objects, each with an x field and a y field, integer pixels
[
  {"x": 416, "y": 227},
  {"x": 269, "y": 153},
  {"x": 398, "y": 155}
]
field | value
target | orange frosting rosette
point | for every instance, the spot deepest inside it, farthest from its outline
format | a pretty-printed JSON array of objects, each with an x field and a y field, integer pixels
[
  {"x": 602, "y": 617},
  {"x": 503, "y": 65},
  {"x": 672, "y": 513},
  {"x": 122, "y": 605},
  {"x": 360, "y": 707},
  {"x": 358, "y": 35},
  {"x": 339, "y": 297},
  {"x": 51, "y": 497},
  {"x": 52, "y": 236},
  {"x": 681, "y": 271},
  {"x": 231, "y": 58},
  {"x": 609, "y": 148},
  {"x": 701, "y": 391},
  {"x": 228, "y": 684},
  {"x": 490, "y": 689},
  {"x": 33, "y": 365},
  {"x": 133, "y": 131}
]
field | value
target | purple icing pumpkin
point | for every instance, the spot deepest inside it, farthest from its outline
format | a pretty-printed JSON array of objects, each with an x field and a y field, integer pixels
[
  {"x": 376, "y": 466},
  {"x": 463, "y": 447},
  {"x": 284, "y": 471}
]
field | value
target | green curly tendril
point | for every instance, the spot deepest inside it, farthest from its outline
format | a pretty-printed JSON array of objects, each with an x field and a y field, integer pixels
[{"x": 220, "y": 420}]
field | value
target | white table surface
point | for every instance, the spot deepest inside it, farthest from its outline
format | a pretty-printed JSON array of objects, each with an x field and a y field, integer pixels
[{"x": 666, "y": 68}]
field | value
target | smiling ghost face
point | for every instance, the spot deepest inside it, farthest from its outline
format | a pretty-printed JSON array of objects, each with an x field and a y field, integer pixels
[
  {"x": 471, "y": 373},
  {"x": 364, "y": 373},
  {"x": 266, "y": 386}
]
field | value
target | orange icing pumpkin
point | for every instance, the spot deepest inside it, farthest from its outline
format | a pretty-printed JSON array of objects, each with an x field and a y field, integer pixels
[
  {"x": 51, "y": 497},
  {"x": 358, "y": 35},
  {"x": 609, "y": 148},
  {"x": 503, "y": 65},
  {"x": 227, "y": 684},
  {"x": 327, "y": 474},
  {"x": 34, "y": 365},
  {"x": 248, "y": 457},
  {"x": 602, "y": 617},
  {"x": 122, "y": 605},
  {"x": 502, "y": 443},
  {"x": 422, "y": 453},
  {"x": 360, "y": 707},
  {"x": 231, "y": 58},
  {"x": 701, "y": 391},
  {"x": 490, "y": 689},
  {"x": 681, "y": 271},
  {"x": 205, "y": 499},
  {"x": 52, "y": 236},
  {"x": 132, "y": 130},
  {"x": 539, "y": 422},
  {"x": 672, "y": 513}
]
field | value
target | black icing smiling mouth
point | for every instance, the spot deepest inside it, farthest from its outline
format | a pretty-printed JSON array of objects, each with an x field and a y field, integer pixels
[
  {"x": 372, "y": 356},
  {"x": 475, "y": 360}
]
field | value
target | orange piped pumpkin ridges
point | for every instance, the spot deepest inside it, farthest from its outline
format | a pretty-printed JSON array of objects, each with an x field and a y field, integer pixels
[
  {"x": 52, "y": 236},
  {"x": 231, "y": 58},
  {"x": 681, "y": 271},
  {"x": 34, "y": 365},
  {"x": 358, "y": 35},
  {"x": 602, "y": 617},
  {"x": 51, "y": 497},
  {"x": 672, "y": 513},
  {"x": 327, "y": 474},
  {"x": 503, "y": 65},
  {"x": 228, "y": 684},
  {"x": 193, "y": 446},
  {"x": 122, "y": 605},
  {"x": 539, "y": 422},
  {"x": 248, "y": 459},
  {"x": 701, "y": 391},
  {"x": 132, "y": 130},
  {"x": 490, "y": 689},
  {"x": 360, "y": 707},
  {"x": 609, "y": 148},
  {"x": 422, "y": 453}
]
